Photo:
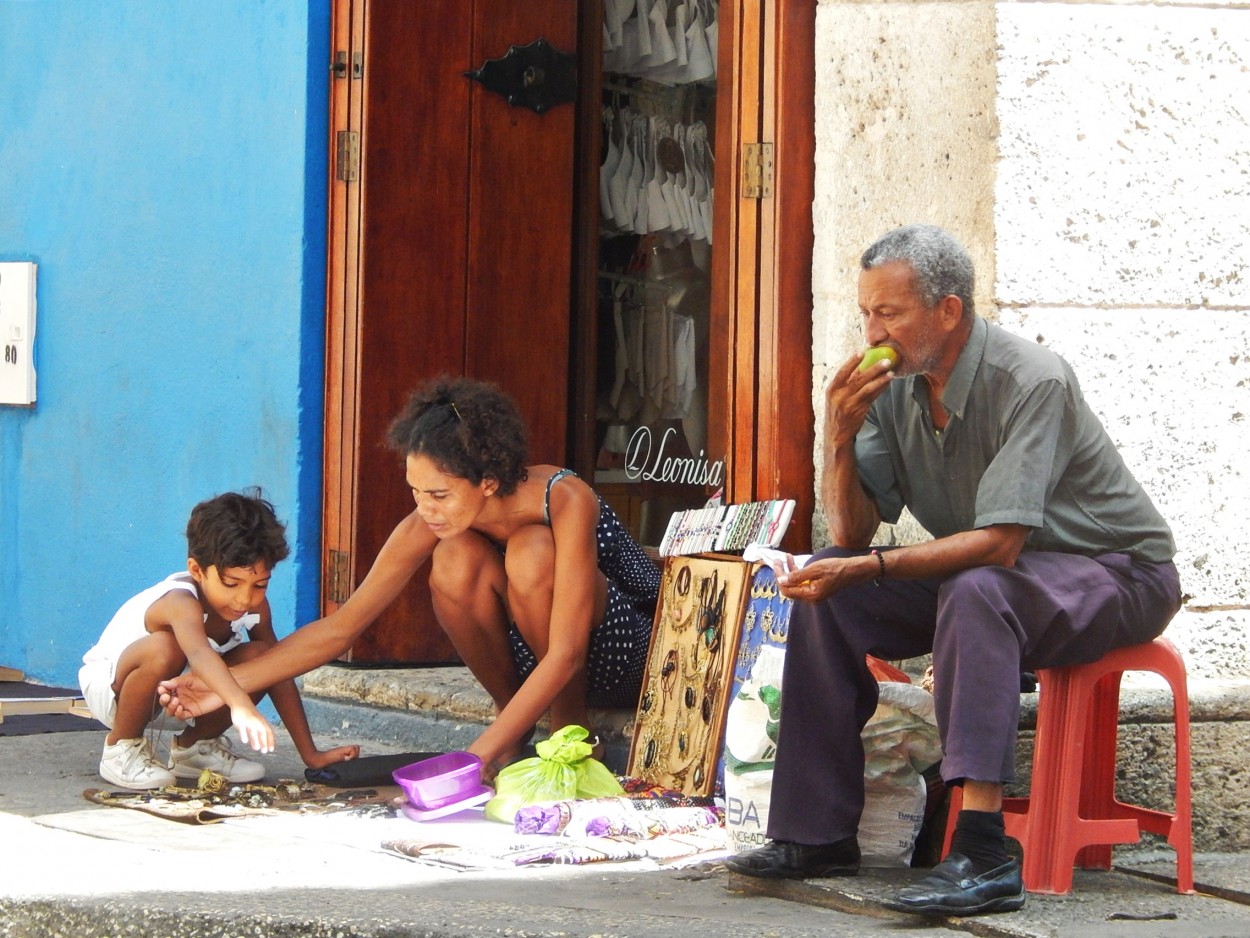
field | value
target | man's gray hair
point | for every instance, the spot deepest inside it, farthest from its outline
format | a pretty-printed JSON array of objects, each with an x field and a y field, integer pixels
[{"x": 942, "y": 266}]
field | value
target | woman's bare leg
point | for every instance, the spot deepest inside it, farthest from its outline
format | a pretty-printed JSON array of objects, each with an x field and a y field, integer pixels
[
  {"x": 468, "y": 588},
  {"x": 530, "y": 568}
]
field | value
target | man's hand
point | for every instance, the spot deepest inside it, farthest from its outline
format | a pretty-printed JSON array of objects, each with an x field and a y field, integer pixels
[
  {"x": 782, "y": 564},
  {"x": 186, "y": 697},
  {"x": 818, "y": 579},
  {"x": 848, "y": 396}
]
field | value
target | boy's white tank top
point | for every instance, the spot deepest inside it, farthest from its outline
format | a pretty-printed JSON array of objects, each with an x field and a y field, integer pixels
[{"x": 127, "y": 624}]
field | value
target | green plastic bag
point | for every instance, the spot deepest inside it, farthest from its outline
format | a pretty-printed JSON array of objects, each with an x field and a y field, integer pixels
[{"x": 562, "y": 771}]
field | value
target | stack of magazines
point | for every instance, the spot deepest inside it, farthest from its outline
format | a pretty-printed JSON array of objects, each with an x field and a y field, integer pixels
[{"x": 727, "y": 528}]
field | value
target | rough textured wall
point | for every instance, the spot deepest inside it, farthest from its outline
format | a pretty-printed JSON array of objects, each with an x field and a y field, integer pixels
[
  {"x": 1093, "y": 157},
  {"x": 905, "y": 132},
  {"x": 1220, "y": 786},
  {"x": 1122, "y": 214}
]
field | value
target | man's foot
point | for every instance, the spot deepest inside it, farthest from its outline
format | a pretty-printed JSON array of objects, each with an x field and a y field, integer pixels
[
  {"x": 954, "y": 888},
  {"x": 216, "y": 756},
  {"x": 129, "y": 763},
  {"x": 780, "y": 859}
]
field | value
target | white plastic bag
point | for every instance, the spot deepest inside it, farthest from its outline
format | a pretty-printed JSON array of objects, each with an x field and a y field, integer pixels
[
  {"x": 751, "y": 748},
  {"x": 900, "y": 742}
]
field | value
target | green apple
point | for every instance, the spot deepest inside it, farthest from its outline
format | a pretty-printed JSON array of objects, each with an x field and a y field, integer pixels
[{"x": 878, "y": 353}]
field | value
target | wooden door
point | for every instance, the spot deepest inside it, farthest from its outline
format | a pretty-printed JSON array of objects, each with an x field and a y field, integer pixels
[
  {"x": 452, "y": 250},
  {"x": 451, "y": 245},
  {"x": 762, "y": 287}
]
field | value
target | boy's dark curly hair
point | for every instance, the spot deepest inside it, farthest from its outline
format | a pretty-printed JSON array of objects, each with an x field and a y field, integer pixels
[
  {"x": 236, "y": 529},
  {"x": 469, "y": 428}
]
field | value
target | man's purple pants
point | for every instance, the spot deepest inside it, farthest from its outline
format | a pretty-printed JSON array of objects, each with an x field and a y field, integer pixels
[{"x": 984, "y": 626}]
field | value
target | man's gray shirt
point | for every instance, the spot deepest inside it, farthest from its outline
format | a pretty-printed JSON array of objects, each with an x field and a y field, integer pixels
[{"x": 1021, "y": 446}]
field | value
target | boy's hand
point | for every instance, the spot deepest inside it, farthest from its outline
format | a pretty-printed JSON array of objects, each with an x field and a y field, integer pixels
[
  {"x": 254, "y": 729},
  {"x": 185, "y": 697}
]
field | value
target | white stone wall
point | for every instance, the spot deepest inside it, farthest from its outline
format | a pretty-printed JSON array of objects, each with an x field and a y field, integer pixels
[
  {"x": 905, "y": 131},
  {"x": 1122, "y": 214},
  {"x": 1095, "y": 157}
]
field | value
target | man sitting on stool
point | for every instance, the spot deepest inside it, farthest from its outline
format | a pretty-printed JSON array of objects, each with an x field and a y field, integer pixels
[{"x": 1046, "y": 552}]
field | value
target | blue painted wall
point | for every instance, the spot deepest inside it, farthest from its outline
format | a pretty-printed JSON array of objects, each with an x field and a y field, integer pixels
[{"x": 163, "y": 161}]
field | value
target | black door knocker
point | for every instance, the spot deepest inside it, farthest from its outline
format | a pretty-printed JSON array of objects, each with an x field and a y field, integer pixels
[{"x": 536, "y": 76}]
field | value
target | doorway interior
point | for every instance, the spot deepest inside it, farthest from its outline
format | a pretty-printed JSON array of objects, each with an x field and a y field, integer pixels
[{"x": 612, "y": 258}]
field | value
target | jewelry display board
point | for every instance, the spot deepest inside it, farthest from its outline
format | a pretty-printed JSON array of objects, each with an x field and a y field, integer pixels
[{"x": 680, "y": 724}]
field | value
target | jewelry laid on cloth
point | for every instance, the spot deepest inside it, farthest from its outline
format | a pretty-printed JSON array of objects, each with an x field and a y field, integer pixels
[
  {"x": 668, "y": 672},
  {"x": 215, "y": 799}
]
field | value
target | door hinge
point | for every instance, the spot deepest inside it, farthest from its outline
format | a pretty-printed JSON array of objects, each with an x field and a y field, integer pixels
[
  {"x": 338, "y": 577},
  {"x": 347, "y": 156},
  {"x": 339, "y": 66},
  {"x": 757, "y": 170}
]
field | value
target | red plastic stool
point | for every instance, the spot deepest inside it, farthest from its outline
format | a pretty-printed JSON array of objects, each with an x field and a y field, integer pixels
[{"x": 1071, "y": 817}]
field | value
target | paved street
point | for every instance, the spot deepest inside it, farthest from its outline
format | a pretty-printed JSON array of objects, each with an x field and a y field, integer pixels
[{"x": 77, "y": 869}]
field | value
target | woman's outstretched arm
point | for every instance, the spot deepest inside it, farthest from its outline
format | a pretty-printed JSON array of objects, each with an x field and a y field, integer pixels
[{"x": 319, "y": 642}]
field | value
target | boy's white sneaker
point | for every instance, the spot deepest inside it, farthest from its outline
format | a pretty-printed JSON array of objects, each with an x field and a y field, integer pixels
[
  {"x": 129, "y": 763},
  {"x": 215, "y": 755}
]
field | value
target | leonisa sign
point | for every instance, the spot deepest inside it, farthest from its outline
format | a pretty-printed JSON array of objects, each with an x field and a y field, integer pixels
[{"x": 646, "y": 462}]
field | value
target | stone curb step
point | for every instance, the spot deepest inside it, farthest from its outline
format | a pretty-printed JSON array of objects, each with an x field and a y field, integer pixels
[{"x": 427, "y": 709}]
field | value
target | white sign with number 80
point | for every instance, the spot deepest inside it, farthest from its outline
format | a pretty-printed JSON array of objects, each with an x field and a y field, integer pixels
[{"x": 17, "y": 332}]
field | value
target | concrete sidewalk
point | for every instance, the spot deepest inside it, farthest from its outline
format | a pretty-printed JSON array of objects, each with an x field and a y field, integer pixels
[{"x": 74, "y": 868}]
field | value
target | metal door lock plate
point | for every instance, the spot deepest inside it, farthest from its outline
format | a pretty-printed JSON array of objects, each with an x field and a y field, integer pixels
[{"x": 536, "y": 76}]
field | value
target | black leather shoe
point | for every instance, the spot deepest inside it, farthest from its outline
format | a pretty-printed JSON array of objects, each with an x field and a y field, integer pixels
[
  {"x": 780, "y": 859},
  {"x": 953, "y": 888}
]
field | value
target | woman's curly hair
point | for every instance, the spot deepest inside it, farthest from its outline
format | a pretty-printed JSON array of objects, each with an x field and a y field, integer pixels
[{"x": 469, "y": 428}]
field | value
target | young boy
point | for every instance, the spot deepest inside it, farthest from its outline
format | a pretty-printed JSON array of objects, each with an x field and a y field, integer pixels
[{"x": 209, "y": 618}]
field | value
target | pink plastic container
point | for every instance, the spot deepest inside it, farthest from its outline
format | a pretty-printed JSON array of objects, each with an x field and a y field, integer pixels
[{"x": 441, "y": 781}]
